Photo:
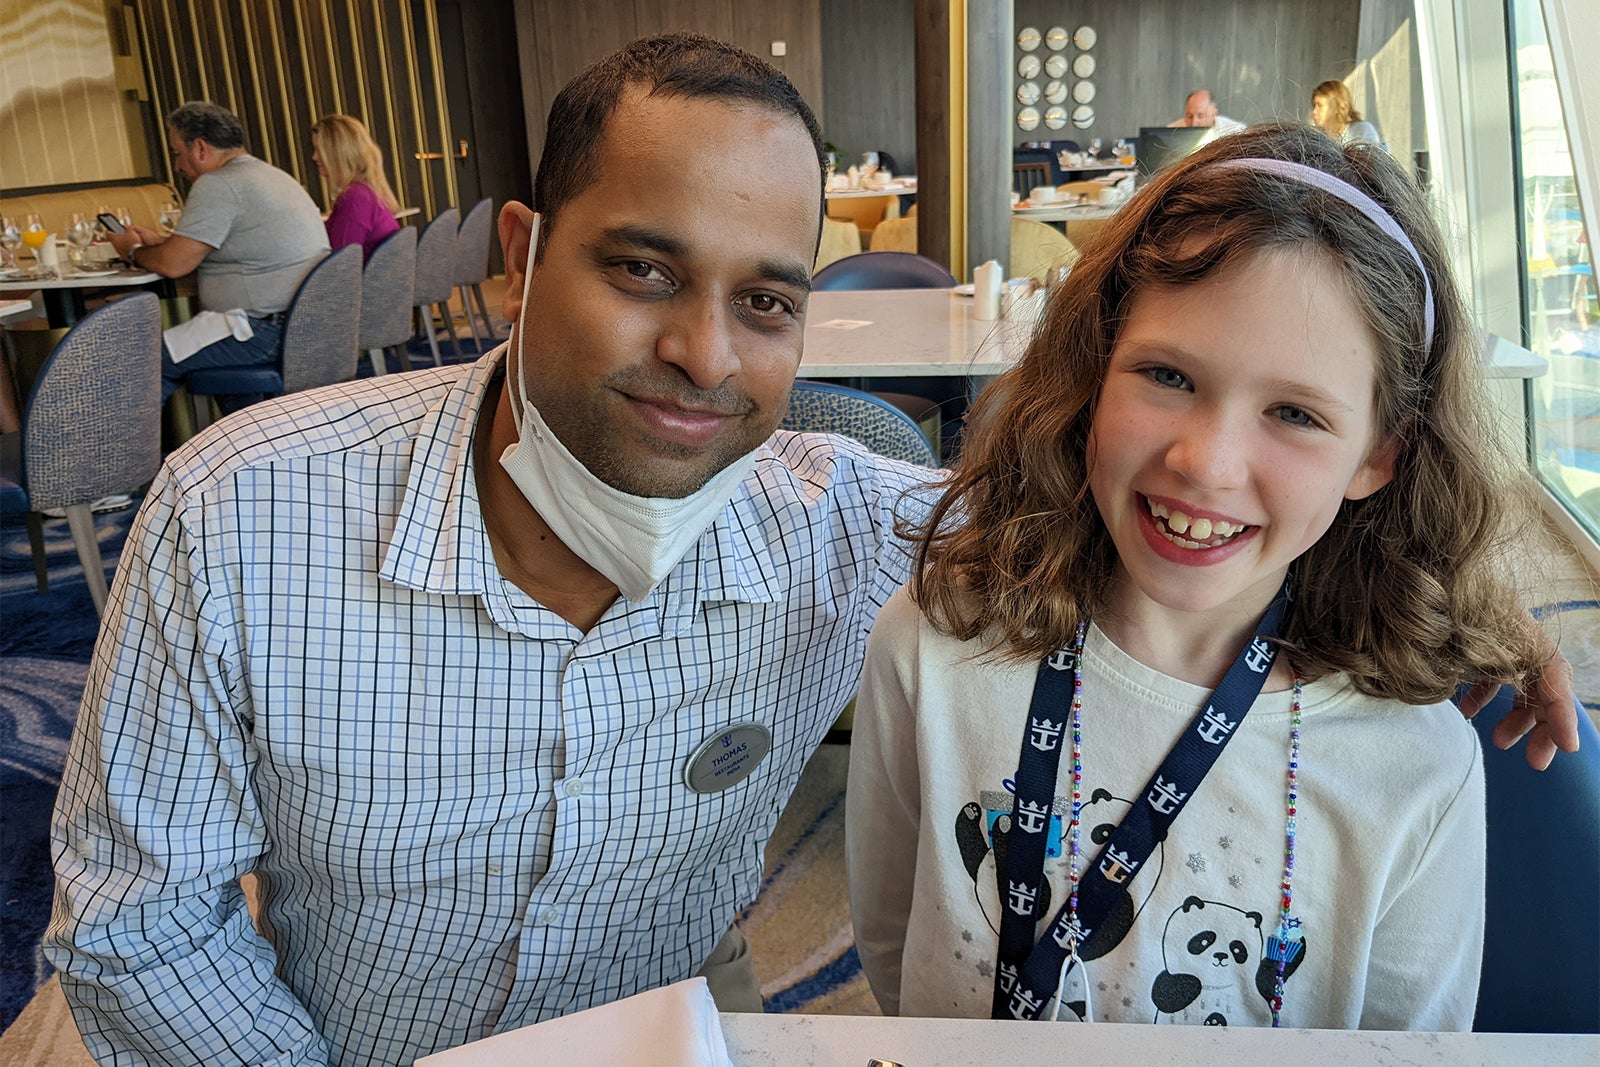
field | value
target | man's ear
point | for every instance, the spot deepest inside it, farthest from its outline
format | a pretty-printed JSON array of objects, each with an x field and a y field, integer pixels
[
  {"x": 516, "y": 224},
  {"x": 1377, "y": 471}
]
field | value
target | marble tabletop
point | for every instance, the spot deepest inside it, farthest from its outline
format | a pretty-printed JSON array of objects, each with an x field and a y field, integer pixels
[
  {"x": 898, "y": 332},
  {"x": 73, "y": 279},
  {"x": 849, "y": 1040}
]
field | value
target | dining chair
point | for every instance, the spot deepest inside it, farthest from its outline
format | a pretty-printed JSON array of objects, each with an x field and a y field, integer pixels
[
  {"x": 386, "y": 284},
  {"x": 91, "y": 428},
  {"x": 1038, "y": 248},
  {"x": 472, "y": 264},
  {"x": 884, "y": 270},
  {"x": 895, "y": 235},
  {"x": 1541, "y": 946},
  {"x": 319, "y": 344},
  {"x": 823, "y": 407},
  {"x": 865, "y": 211},
  {"x": 839, "y": 239},
  {"x": 1025, "y": 176},
  {"x": 436, "y": 277}
]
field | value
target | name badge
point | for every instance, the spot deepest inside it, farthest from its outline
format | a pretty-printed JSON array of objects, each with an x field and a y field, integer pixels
[{"x": 725, "y": 759}]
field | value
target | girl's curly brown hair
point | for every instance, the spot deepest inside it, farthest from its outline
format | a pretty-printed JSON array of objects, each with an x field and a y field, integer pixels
[{"x": 1404, "y": 593}]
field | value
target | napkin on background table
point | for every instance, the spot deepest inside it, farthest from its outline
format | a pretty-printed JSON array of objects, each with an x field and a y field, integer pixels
[{"x": 674, "y": 1026}]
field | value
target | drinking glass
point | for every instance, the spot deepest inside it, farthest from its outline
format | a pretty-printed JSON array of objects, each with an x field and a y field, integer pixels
[
  {"x": 100, "y": 227},
  {"x": 125, "y": 217},
  {"x": 80, "y": 235},
  {"x": 34, "y": 233},
  {"x": 1094, "y": 147},
  {"x": 169, "y": 217},
  {"x": 869, "y": 165},
  {"x": 10, "y": 241}
]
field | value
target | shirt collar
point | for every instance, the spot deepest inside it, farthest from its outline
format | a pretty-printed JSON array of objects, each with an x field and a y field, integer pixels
[{"x": 440, "y": 546}]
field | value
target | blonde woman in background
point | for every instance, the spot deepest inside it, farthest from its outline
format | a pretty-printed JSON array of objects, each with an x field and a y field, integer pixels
[
  {"x": 364, "y": 205},
  {"x": 1334, "y": 111}
]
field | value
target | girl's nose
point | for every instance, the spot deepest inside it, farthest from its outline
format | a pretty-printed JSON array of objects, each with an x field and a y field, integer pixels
[
  {"x": 697, "y": 337},
  {"x": 1208, "y": 452}
]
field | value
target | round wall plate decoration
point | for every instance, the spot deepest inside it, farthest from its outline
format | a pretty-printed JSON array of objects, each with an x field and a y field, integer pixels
[
  {"x": 1085, "y": 38},
  {"x": 1028, "y": 118},
  {"x": 1083, "y": 92},
  {"x": 1028, "y": 93},
  {"x": 1056, "y": 38},
  {"x": 1056, "y": 66},
  {"x": 1082, "y": 116},
  {"x": 1028, "y": 38},
  {"x": 1055, "y": 93},
  {"x": 1055, "y": 117},
  {"x": 1028, "y": 66},
  {"x": 1083, "y": 66}
]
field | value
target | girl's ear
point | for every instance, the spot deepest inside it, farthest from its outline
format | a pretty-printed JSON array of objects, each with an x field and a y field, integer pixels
[{"x": 1378, "y": 469}]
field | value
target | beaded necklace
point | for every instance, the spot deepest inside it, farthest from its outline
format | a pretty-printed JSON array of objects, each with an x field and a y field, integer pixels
[{"x": 1280, "y": 948}]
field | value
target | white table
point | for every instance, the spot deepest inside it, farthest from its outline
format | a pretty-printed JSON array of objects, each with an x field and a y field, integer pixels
[
  {"x": 905, "y": 332},
  {"x": 1066, "y": 212},
  {"x": 892, "y": 189},
  {"x": 64, "y": 296},
  {"x": 849, "y": 1040}
]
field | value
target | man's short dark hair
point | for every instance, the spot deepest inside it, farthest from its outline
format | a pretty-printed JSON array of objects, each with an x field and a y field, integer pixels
[
  {"x": 201, "y": 120},
  {"x": 670, "y": 64}
]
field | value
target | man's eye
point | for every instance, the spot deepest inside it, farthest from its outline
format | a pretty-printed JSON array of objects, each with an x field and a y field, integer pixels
[
  {"x": 638, "y": 268},
  {"x": 767, "y": 304}
]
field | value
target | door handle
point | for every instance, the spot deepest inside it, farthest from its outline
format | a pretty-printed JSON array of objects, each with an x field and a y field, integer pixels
[
  {"x": 461, "y": 148},
  {"x": 430, "y": 155}
]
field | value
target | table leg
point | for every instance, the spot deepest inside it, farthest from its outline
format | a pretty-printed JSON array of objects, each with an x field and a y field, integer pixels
[{"x": 63, "y": 307}]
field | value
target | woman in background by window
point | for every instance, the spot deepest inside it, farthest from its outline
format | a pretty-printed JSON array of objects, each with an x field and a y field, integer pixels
[
  {"x": 364, "y": 205},
  {"x": 1333, "y": 110}
]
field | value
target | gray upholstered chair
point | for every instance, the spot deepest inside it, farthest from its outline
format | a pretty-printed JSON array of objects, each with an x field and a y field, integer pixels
[
  {"x": 472, "y": 264},
  {"x": 386, "y": 284},
  {"x": 822, "y": 407},
  {"x": 436, "y": 277},
  {"x": 318, "y": 345},
  {"x": 92, "y": 427}
]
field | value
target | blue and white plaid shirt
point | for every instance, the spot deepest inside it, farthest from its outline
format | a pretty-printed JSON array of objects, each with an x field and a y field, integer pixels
[{"x": 467, "y": 816}]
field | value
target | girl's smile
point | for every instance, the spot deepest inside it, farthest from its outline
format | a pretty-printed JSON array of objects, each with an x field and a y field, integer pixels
[{"x": 1236, "y": 416}]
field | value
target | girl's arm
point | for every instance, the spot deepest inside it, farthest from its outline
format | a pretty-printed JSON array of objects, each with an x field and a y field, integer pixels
[
  {"x": 883, "y": 810},
  {"x": 1427, "y": 949}
]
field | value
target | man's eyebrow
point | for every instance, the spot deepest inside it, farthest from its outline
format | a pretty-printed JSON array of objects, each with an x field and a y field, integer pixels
[{"x": 794, "y": 275}]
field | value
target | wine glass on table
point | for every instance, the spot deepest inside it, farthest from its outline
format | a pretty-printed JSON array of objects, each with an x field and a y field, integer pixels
[
  {"x": 34, "y": 235},
  {"x": 125, "y": 217},
  {"x": 10, "y": 241},
  {"x": 80, "y": 235},
  {"x": 169, "y": 218},
  {"x": 1094, "y": 149}
]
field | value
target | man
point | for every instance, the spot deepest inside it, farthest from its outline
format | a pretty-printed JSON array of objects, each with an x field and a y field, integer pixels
[
  {"x": 482, "y": 689},
  {"x": 1200, "y": 110},
  {"x": 248, "y": 228},
  {"x": 369, "y": 650}
]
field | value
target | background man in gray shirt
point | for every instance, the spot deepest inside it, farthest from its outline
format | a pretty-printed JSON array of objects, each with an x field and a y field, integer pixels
[{"x": 249, "y": 229}]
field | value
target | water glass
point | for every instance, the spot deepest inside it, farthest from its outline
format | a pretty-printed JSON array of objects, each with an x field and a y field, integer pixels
[
  {"x": 10, "y": 241},
  {"x": 169, "y": 217}
]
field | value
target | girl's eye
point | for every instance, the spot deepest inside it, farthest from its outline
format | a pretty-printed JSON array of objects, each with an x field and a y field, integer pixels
[
  {"x": 1169, "y": 378},
  {"x": 1296, "y": 416}
]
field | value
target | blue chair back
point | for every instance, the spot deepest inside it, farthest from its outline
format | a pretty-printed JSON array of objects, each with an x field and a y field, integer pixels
[
  {"x": 436, "y": 259},
  {"x": 821, "y": 407},
  {"x": 386, "y": 284},
  {"x": 93, "y": 422},
  {"x": 1541, "y": 952},
  {"x": 472, "y": 244},
  {"x": 322, "y": 330},
  {"x": 883, "y": 270}
]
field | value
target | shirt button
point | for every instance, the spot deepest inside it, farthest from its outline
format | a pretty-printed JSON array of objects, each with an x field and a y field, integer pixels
[
  {"x": 548, "y": 916},
  {"x": 574, "y": 787}
]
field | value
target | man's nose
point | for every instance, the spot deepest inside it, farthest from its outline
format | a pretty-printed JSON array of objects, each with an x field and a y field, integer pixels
[{"x": 698, "y": 338}]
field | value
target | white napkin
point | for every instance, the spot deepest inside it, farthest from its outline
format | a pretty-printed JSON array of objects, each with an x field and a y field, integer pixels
[
  {"x": 674, "y": 1026},
  {"x": 206, "y": 328}
]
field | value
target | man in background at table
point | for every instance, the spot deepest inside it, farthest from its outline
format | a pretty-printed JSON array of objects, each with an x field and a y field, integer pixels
[
  {"x": 1200, "y": 110},
  {"x": 249, "y": 229},
  {"x": 478, "y": 668}
]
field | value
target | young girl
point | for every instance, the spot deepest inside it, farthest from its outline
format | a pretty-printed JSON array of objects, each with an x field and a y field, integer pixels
[{"x": 1216, "y": 553}]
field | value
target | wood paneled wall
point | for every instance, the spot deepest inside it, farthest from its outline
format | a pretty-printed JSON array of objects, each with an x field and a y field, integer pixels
[
  {"x": 1259, "y": 57},
  {"x": 556, "y": 39},
  {"x": 282, "y": 64},
  {"x": 868, "y": 77}
]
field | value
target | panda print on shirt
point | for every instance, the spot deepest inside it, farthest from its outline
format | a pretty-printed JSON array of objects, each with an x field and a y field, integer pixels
[{"x": 1216, "y": 968}]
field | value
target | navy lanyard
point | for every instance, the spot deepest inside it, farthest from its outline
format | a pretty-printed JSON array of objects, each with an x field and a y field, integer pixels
[{"x": 1028, "y": 973}]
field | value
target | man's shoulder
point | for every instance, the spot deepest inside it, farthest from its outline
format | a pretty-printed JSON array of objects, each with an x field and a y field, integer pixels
[
  {"x": 354, "y": 417},
  {"x": 829, "y": 464}
]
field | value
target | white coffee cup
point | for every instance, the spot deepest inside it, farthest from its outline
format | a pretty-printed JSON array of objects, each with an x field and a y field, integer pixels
[{"x": 1043, "y": 194}]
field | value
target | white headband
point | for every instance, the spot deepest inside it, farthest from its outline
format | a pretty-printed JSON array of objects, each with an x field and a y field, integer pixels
[{"x": 1357, "y": 199}]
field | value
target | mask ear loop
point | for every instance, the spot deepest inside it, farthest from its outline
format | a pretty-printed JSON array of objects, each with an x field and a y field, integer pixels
[
  {"x": 517, "y": 409},
  {"x": 1061, "y": 988}
]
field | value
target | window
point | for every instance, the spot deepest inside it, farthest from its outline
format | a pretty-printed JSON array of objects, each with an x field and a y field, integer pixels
[{"x": 1561, "y": 320}]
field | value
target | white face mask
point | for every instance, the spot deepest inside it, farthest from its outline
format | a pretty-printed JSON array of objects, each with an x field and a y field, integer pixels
[{"x": 635, "y": 541}]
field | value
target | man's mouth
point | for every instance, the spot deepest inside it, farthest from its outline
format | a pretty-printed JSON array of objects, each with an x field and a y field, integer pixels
[{"x": 1187, "y": 532}]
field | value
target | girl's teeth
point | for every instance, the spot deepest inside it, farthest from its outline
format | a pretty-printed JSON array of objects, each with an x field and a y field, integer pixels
[
  {"x": 1199, "y": 529},
  {"x": 1181, "y": 525}
]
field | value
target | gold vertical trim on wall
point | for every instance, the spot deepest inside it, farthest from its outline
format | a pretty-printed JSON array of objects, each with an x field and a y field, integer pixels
[
  {"x": 441, "y": 104},
  {"x": 397, "y": 173},
  {"x": 199, "y": 52},
  {"x": 275, "y": 35},
  {"x": 424, "y": 172},
  {"x": 353, "y": 21},
  {"x": 267, "y": 117},
  {"x": 958, "y": 134},
  {"x": 332, "y": 55},
  {"x": 162, "y": 164},
  {"x": 227, "y": 73}
]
